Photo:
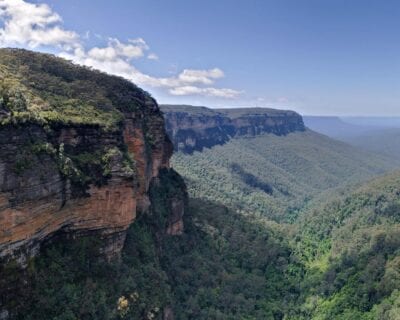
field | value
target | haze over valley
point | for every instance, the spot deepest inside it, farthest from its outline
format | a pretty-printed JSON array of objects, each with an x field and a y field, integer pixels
[{"x": 175, "y": 160}]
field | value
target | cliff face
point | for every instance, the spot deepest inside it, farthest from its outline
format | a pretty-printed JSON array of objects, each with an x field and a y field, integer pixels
[
  {"x": 194, "y": 128},
  {"x": 73, "y": 160}
]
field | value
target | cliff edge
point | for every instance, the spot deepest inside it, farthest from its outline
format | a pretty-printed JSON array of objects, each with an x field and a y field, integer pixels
[
  {"x": 194, "y": 128},
  {"x": 80, "y": 151}
]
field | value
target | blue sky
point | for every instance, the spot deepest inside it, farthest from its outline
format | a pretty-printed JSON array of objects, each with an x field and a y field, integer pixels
[{"x": 316, "y": 57}]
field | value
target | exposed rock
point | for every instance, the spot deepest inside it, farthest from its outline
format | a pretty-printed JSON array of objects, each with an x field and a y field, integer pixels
[
  {"x": 194, "y": 128},
  {"x": 74, "y": 175}
]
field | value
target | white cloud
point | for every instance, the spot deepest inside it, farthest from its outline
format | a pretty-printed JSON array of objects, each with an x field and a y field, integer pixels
[
  {"x": 114, "y": 62},
  {"x": 213, "y": 92},
  {"x": 117, "y": 50},
  {"x": 200, "y": 76},
  {"x": 152, "y": 56},
  {"x": 33, "y": 25},
  {"x": 36, "y": 25}
]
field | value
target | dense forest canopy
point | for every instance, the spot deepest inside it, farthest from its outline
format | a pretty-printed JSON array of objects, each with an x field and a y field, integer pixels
[
  {"x": 276, "y": 176},
  {"x": 280, "y": 227}
]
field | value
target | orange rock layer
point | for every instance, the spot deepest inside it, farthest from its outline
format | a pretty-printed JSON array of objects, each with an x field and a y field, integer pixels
[{"x": 39, "y": 202}]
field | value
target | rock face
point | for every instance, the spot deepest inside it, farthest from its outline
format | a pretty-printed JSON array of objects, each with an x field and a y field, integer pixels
[
  {"x": 62, "y": 173},
  {"x": 194, "y": 128}
]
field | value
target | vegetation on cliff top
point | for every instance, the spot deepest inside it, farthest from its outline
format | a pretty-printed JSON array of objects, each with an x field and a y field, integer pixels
[
  {"x": 240, "y": 112},
  {"x": 231, "y": 113},
  {"x": 41, "y": 88},
  {"x": 339, "y": 260},
  {"x": 192, "y": 110}
]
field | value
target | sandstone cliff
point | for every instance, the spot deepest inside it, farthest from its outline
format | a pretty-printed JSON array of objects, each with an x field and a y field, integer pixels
[
  {"x": 194, "y": 128},
  {"x": 79, "y": 150}
]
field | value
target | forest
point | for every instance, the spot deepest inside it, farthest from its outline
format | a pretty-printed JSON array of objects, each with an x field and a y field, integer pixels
[
  {"x": 295, "y": 226},
  {"x": 337, "y": 257},
  {"x": 341, "y": 260}
]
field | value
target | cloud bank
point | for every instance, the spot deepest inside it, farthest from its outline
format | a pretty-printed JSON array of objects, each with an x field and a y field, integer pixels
[{"x": 34, "y": 26}]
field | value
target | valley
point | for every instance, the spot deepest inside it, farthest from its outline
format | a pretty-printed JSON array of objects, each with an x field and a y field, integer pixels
[
  {"x": 271, "y": 174},
  {"x": 254, "y": 216},
  {"x": 378, "y": 135}
]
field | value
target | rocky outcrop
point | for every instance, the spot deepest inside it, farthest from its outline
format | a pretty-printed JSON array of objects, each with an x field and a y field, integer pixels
[
  {"x": 73, "y": 176},
  {"x": 194, "y": 128}
]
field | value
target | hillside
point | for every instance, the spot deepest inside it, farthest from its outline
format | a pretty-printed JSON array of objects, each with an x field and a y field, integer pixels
[
  {"x": 383, "y": 141},
  {"x": 351, "y": 247},
  {"x": 379, "y": 135},
  {"x": 340, "y": 262},
  {"x": 224, "y": 266},
  {"x": 275, "y": 175},
  {"x": 82, "y": 155},
  {"x": 95, "y": 224}
]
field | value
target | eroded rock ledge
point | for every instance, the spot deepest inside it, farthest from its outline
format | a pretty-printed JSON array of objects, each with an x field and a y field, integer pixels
[
  {"x": 194, "y": 128},
  {"x": 79, "y": 150}
]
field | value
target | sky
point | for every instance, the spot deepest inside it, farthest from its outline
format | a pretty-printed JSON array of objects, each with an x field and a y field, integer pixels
[{"x": 318, "y": 57}]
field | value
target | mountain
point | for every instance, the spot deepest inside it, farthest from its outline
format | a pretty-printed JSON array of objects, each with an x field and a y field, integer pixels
[
  {"x": 387, "y": 122},
  {"x": 379, "y": 134},
  {"x": 383, "y": 141},
  {"x": 342, "y": 233},
  {"x": 335, "y": 127},
  {"x": 96, "y": 224},
  {"x": 82, "y": 155},
  {"x": 263, "y": 169},
  {"x": 193, "y": 128}
]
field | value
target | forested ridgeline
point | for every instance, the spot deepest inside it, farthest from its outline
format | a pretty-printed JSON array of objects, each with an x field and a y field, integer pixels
[
  {"x": 341, "y": 261},
  {"x": 276, "y": 176}
]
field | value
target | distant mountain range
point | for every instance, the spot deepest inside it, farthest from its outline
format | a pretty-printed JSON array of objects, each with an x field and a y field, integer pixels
[
  {"x": 377, "y": 134},
  {"x": 265, "y": 160},
  {"x": 334, "y": 127}
]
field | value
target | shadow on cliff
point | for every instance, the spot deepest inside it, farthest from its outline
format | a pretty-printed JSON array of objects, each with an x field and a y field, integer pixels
[{"x": 220, "y": 264}]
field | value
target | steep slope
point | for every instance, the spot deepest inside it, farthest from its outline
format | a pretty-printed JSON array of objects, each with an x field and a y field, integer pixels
[
  {"x": 195, "y": 128},
  {"x": 69, "y": 279},
  {"x": 224, "y": 266},
  {"x": 79, "y": 151},
  {"x": 351, "y": 245},
  {"x": 275, "y": 175}
]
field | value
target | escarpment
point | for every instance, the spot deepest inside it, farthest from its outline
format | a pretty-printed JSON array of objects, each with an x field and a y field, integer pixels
[
  {"x": 194, "y": 128},
  {"x": 79, "y": 152}
]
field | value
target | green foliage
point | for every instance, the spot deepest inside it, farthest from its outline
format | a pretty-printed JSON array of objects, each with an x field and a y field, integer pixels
[
  {"x": 278, "y": 175},
  {"x": 167, "y": 186},
  {"x": 360, "y": 235},
  {"x": 70, "y": 280},
  {"x": 241, "y": 264},
  {"x": 339, "y": 258},
  {"x": 44, "y": 89},
  {"x": 344, "y": 246},
  {"x": 228, "y": 266}
]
